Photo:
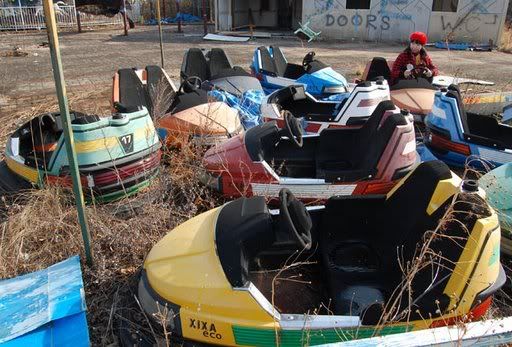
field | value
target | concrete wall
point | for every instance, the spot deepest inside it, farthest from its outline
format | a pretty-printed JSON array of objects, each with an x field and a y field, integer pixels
[
  {"x": 223, "y": 15},
  {"x": 393, "y": 20}
]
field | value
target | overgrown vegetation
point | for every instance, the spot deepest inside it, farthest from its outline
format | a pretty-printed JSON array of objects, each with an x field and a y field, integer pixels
[{"x": 39, "y": 228}]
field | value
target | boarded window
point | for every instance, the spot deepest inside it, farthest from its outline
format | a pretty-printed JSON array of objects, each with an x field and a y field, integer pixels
[
  {"x": 358, "y": 4},
  {"x": 445, "y": 5}
]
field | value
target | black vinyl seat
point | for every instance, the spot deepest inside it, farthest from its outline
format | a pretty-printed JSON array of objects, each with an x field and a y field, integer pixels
[
  {"x": 276, "y": 64},
  {"x": 214, "y": 65},
  {"x": 378, "y": 67},
  {"x": 195, "y": 64},
  {"x": 361, "y": 255},
  {"x": 244, "y": 229},
  {"x": 132, "y": 92},
  {"x": 353, "y": 154},
  {"x": 336, "y": 155}
]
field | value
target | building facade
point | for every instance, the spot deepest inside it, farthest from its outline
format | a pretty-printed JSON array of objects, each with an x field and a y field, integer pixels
[{"x": 476, "y": 21}]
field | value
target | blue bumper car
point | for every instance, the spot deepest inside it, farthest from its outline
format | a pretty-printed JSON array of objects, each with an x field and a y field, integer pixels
[
  {"x": 458, "y": 137},
  {"x": 274, "y": 72}
]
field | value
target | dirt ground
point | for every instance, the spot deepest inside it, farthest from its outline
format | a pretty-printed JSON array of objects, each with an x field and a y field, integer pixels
[{"x": 90, "y": 59}]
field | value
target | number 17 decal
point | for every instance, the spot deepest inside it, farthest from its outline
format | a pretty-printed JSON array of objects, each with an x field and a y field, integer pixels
[{"x": 127, "y": 142}]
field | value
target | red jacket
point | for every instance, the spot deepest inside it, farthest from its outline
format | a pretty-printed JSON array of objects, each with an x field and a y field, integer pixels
[{"x": 405, "y": 58}]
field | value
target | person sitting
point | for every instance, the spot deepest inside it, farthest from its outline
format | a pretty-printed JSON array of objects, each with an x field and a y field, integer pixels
[{"x": 414, "y": 61}]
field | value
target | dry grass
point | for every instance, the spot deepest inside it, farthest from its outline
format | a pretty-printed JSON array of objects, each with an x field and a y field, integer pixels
[
  {"x": 506, "y": 39},
  {"x": 39, "y": 228}
]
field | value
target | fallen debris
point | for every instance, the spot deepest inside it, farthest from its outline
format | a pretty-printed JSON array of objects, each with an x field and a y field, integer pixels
[
  {"x": 306, "y": 33},
  {"x": 445, "y": 81},
  {"x": 257, "y": 34},
  {"x": 225, "y": 38},
  {"x": 15, "y": 52}
]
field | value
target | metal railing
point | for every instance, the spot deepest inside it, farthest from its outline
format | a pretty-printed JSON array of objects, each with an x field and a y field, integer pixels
[{"x": 32, "y": 17}]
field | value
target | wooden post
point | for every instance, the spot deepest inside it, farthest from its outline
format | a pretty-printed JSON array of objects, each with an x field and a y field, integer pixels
[
  {"x": 205, "y": 22},
  {"x": 159, "y": 20},
  {"x": 60, "y": 86},
  {"x": 78, "y": 21},
  {"x": 178, "y": 14},
  {"x": 125, "y": 20}
]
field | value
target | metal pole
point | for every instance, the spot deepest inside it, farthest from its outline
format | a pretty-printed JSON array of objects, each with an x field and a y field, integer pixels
[
  {"x": 21, "y": 12},
  {"x": 159, "y": 20},
  {"x": 179, "y": 15},
  {"x": 205, "y": 24},
  {"x": 124, "y": 18},
  {"x": 60, "y": 86}
]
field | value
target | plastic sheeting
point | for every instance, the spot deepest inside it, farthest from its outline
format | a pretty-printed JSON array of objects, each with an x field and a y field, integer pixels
[
  {"x": 44, "y": 308},
  {"x": 248, "y": 105},
  {"x": 184, "y": 17}
]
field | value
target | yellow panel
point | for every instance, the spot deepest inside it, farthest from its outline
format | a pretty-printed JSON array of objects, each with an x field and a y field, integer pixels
[
  {"x": 445, "y": 189},
  {"x": 111, "y": 142},
  {"x": 483, "y": 271},
  {"x": 96, "y": 145},
  {"x": 24, "y": 171},
  {"x": 184, "y": 269}
]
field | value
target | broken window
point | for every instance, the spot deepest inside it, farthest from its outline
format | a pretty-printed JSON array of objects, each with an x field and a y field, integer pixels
[
  {"x": 358, "y": 4},
  {"x": 445, "y": 5}
]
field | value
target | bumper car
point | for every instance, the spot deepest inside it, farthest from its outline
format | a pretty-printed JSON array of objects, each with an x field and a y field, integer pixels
[
  {"x": 415, "y": 94},
  {"x": 225, "y": 277},
  {"x": 507, "y": 115},
  {"x": 458, "y": 137},
  {"x": 344, "y": 110},
  {"x": 498, "y": 187},
  {"x": 117, "y": 156},
  {"x": 180, "y": 114},
  {"x": 274, "y": 72},
  {"x": 264, "y": 159},
  {"x": 224, "y": 82}
]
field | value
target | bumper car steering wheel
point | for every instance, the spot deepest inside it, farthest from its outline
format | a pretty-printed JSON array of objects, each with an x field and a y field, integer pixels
[
  {"x": 190, "y": 84},
  {"x": 293, "y": 128},
  {"x": 295, "y": 219}
]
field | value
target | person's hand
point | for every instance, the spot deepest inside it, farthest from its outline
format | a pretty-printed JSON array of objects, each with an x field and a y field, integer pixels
[
  {"x": 428, "y": 73},
  {"x": 407, "y": 73}
]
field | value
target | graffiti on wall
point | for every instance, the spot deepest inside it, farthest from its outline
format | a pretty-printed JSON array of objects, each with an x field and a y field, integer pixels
[
  {"x": 471, "y": 19},
  {"x": 368, "y": 21},
  {"x": 333, "y": 14},
  {"x": 394, "y": 19}
]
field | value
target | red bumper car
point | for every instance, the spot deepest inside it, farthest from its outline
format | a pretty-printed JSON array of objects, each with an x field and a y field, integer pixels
[{"x": 343, "y": 161}]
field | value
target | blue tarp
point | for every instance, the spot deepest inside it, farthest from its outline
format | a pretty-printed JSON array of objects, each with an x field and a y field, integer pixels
[
  {"x": 184, "y": 17},
  {"x": 44, "y": 308},
  {"x": 248, "y": 105},
  {"x": 463, "y": 46}
]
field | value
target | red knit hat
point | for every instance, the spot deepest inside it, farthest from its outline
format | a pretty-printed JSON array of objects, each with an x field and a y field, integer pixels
[{"x": 419, "y": 36}]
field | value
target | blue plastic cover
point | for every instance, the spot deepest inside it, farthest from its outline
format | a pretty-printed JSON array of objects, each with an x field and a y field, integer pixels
[
  {"x": 248, "y": 105},
  {"x": 184, "y": 17},
  {"x": 44, "y": 308},
  {"x": 325, "y": 78}
]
